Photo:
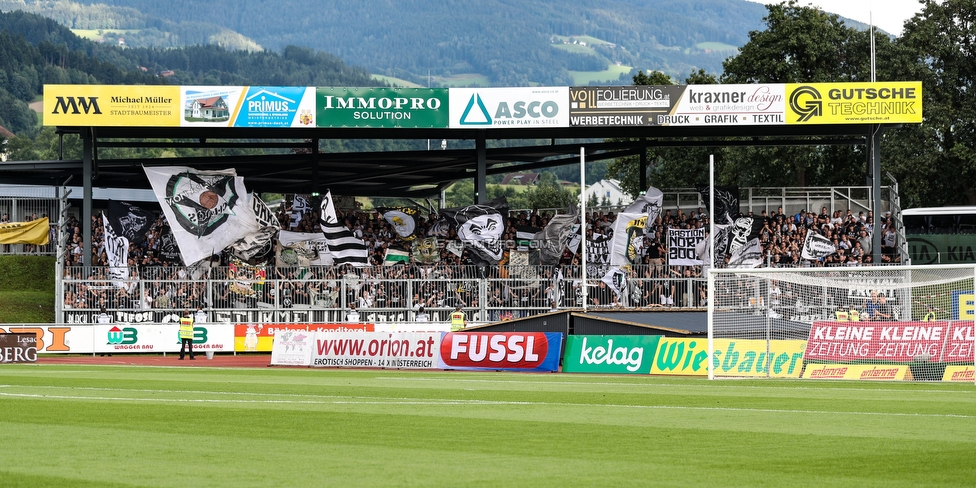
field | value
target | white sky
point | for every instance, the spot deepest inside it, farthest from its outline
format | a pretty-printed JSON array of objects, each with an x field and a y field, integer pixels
[{"x": 889, "y": 15}]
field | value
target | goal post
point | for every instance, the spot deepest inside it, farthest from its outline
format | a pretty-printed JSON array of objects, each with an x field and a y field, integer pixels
[{"x": 870, "y": 323}]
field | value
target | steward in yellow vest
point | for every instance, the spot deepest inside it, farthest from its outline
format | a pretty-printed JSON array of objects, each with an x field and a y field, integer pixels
[
  {"x": 841, "y": 315},
  {"x": 930, "y": 315},
  {"x": 186, "y": 334},
  {"x": 457, "y": 320}
]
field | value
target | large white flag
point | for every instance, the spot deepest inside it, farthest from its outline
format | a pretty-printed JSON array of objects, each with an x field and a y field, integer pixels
[
  {"x": 627, "y": 246},
  {"x": 117, "y": 252},
  {"x": 207, "y": 210},
  {"x": 343, "y": 245},
  {"x": 648, "y": 204}
]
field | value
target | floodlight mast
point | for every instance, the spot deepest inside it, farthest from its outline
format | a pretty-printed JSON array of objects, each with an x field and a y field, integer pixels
[
  {"x": 583, "y": 222},
  {"x": 709, "y": 265}
]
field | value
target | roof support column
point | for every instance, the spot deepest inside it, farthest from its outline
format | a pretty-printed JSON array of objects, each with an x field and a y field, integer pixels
[
  {"x": 874, "y": 180},
  {"x": 315, "y": 165},
  {"x": 643, "y": 170},
  {"x": 480, "y": 182},
  {"x": 88, "y": 169}
]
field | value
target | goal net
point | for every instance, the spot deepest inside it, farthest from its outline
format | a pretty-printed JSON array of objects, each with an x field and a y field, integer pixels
[{"x": 868, "y": 323}]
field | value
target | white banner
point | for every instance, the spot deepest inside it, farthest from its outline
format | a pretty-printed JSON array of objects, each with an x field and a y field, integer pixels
[
  {"x": 509, "y": 108},
  {"x": 681, "y": 246},
  {"x": 401, "y": 350},
  {"x": 125, "y": 337},
  {"x": 292, "y": 348}
]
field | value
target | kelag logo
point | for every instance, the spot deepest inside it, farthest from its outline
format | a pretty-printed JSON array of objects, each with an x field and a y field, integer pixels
[
  {"x": 123, "y": 336},
  {"x": 610, "y": 354},
  {"x": 806, "y": 102}
]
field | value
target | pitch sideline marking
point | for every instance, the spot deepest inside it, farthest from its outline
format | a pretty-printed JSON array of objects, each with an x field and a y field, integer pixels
[{"x": 400, "y": 401}]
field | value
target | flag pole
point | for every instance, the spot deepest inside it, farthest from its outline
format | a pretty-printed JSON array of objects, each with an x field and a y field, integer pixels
[
  {"x": 583, "y": 221},
  {"x": 710, "y": 290}
]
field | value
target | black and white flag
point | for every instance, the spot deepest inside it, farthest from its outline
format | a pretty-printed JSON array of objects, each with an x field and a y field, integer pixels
[
  {"x": 302, "y": 249},
  {"x": 403, "y": 220},
  {"x": 299, "y": 208},
  {"x": 480, "y": 226},
  {"x": 748, "y": 255},
  {"x": 117, "y": 252},
  {"x": 207, "y": 210},
  {"x": 816, "y": 246},
  {"x": 597, "y": 254},
  {"x": 344, "y": 247},
  {"x": 425, "y": 250},
  {"x": 743, "y": 230},
  {"x": 260, "y": 243},
  {"x": 551, "y": 240},
  {"x": 129, "y": 220},
  {"x": 617, "y": 281},
  {"x": 648, "y": 204},
  {"x": 726, "y": 203}
]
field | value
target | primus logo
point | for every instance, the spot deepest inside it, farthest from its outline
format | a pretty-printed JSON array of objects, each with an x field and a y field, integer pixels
[{"x": 76, "y": 105}]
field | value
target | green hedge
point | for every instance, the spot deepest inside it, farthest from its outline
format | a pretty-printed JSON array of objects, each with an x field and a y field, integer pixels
[
  {"x": 22, "y": 273},
  {"x": 27, "y": 289}
]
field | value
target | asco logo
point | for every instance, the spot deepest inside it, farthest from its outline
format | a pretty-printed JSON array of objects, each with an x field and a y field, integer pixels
[{"x": 501, "y": 350}]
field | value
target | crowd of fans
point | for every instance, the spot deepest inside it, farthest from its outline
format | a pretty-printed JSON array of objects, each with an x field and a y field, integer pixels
[{"x": 157, "y": 278}]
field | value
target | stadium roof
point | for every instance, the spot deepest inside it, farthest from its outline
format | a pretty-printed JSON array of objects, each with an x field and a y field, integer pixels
[{"x": 299, "y": 167}]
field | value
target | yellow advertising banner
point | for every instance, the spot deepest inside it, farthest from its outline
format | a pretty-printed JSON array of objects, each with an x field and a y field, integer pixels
[
  {"x": 960, "y": 373},
  {"x": 112, "y": 105},
  {"x": 888, "y": 102},
  {"x": 33, "y": 232},
  {"x": 738, "y": 358},
  {"x": 884, "y": 372}
]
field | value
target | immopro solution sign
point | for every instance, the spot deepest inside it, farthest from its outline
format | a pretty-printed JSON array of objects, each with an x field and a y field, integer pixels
[
  {"x": 493, "y": 108},
  {"x": 381, "y": 107}
]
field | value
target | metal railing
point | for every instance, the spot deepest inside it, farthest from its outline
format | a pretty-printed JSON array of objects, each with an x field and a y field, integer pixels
[{"x": 380, "y": 294}]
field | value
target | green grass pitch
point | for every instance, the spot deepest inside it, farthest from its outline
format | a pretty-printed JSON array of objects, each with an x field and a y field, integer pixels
[{"x": 104, "y": 426}]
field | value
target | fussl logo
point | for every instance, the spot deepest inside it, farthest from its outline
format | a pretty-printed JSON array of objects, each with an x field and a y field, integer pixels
[{"x": 495, "y": 350}]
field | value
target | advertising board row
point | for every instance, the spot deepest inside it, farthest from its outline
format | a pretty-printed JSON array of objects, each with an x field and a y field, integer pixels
[
  {"x": 876, "y": 351},
  {"x": 164, "y": 337},
  {"x": 489, "y": 108}
]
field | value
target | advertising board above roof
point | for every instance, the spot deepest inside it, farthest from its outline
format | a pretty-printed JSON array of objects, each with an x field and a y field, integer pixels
[{"x": 773, "y": 104}]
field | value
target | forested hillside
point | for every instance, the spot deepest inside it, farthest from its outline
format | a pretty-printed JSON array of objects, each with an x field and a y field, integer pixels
[
  {"x": 35, "y": 51},
  {"x": 456, "y": 42}
]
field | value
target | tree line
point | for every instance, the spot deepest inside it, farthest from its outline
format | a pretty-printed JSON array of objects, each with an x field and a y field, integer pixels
[{"x": 933, "y": 162}]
